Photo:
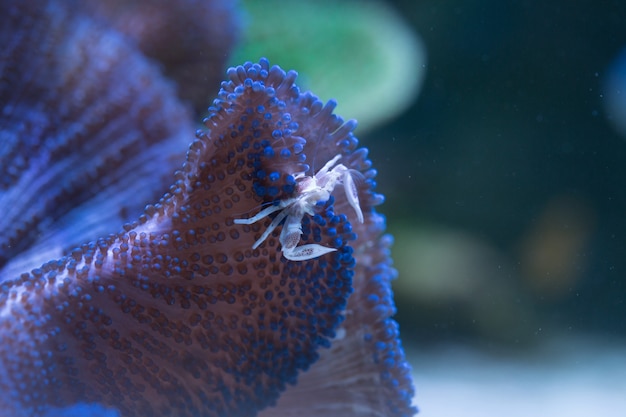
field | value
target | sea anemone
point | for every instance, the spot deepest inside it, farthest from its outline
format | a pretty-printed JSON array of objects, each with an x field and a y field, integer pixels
[{"x": 185, "y": 311}]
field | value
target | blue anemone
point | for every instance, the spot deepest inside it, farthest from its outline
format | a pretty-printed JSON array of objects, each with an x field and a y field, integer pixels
[{"x": 174, "y": 313}]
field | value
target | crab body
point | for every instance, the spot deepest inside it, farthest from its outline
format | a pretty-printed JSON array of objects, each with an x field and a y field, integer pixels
[{"x": 310, "y": 190}]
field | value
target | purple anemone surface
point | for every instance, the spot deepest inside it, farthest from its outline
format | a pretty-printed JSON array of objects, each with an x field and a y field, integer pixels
[{"x": 179, "y": 312}]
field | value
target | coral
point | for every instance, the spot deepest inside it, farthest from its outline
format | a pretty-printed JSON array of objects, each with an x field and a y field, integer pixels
[{"x": 356, "y": 52}]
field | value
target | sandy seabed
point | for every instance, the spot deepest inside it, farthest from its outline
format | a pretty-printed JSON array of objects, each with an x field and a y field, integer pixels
[{"x": 565, "y": 377}]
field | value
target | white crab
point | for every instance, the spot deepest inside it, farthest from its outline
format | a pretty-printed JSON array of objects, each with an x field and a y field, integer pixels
[{"x": 311, "y": 190}]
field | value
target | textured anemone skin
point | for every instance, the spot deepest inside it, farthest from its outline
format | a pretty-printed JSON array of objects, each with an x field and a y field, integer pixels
[
  {"x": 191, "y": 39},
  {"x": 83, "y": 117},
  {"x": 370, "y": 376}
]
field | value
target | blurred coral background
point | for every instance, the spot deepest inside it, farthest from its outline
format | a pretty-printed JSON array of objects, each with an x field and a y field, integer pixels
[{"x": 499, "y": 132}]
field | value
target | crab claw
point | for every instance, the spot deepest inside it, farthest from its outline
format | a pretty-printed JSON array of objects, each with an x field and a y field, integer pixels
[
  {"x": 306, "y": 252},
  {"x": 352, "y": 194}
]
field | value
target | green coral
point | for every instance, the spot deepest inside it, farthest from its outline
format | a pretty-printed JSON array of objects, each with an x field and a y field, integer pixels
[{"x": 360, "y": 53}]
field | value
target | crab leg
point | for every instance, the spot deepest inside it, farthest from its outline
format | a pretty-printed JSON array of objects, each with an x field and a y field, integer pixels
[
  {"x": 279, "y": 218},
  {"x": 265, "y": 212},
  {"x": 327, "y": 166}
]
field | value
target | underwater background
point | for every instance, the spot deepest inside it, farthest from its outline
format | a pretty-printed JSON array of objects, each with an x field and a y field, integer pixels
[
  {"x": 505, "y": 191},
  {"x": 498, "y": 132}
]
